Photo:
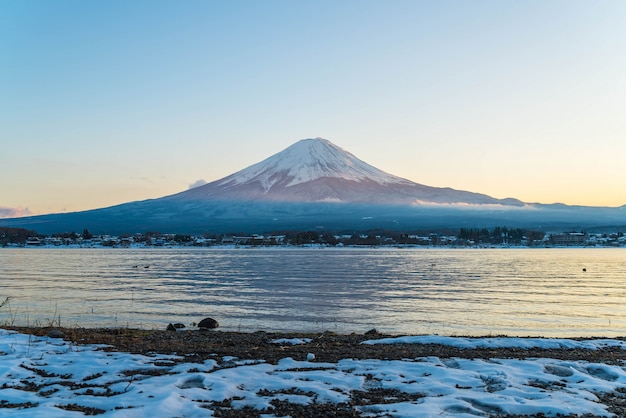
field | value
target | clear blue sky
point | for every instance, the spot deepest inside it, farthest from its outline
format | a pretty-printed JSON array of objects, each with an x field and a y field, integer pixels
[{"x": 105, "y": 102}]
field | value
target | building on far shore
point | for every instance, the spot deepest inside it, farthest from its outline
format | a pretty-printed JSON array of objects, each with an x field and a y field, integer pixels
[{"x": 568, "y": 238}]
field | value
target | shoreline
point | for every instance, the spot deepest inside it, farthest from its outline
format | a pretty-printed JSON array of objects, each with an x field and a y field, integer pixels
[
  {"x": 315, "y": 247},
  {"x": 200, "y": 345}
]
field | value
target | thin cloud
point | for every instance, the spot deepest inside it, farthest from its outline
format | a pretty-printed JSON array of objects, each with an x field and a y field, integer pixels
[
  {"x": 197, "y": 183},
  {"x": 467, "y": 205},
  {"x": 14, "y": 212}
]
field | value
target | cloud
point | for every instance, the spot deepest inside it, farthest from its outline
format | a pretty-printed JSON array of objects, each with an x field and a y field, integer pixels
[
  {"x": 14, "y": 212},
  {"x": 465, "y": 205},
  {"x": 144, "y": 179},
  {"x": 197, "y": 183}
]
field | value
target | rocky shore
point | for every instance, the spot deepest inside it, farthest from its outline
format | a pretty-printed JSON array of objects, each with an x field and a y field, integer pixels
[{"x": 328, "y": 346}]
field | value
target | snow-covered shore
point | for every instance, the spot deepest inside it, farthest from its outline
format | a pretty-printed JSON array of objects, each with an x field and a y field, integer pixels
[{"x": 43, "y": 376}]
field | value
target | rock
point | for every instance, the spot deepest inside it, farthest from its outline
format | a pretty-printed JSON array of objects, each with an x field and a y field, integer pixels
[
  {"x": 373, "y": 331},
  {"x": 55, "y": 333},
  {"x": 175, "y": 327},
  {"x": 208, "y": 323},
  {"x": 310, "y": 357}
]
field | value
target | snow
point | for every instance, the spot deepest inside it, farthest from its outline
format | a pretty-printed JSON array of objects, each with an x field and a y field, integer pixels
[
  {"x": 42, "y": 376},
  {"x": 508, "y": 342},
  {"x": 308, "y": 160},
  {"x": 291, "y": 341}
]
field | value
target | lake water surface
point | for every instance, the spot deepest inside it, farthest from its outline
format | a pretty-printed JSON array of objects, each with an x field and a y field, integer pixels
[{"x": 521, "y": 292}]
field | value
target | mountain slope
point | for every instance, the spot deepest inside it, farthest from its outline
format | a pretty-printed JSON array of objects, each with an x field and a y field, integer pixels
[{"x": 316, "y": 170}]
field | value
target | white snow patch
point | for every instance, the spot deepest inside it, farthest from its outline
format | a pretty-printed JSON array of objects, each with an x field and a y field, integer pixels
[
  {"x": 307, "y": 160},
  {"x": 503, "y": 342},
  {"x": 41, "y": 375},
  {"x": 291, "y": 341}
]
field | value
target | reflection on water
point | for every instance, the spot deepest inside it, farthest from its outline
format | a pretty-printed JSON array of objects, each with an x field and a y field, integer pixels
[{"x": 410, "y": 291}]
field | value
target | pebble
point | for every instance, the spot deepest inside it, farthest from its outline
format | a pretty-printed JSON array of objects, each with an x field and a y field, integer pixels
[{"x": 55, "y": 333}]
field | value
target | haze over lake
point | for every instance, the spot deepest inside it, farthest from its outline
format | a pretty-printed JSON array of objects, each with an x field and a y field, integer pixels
[{"x": 518, "y": 292}]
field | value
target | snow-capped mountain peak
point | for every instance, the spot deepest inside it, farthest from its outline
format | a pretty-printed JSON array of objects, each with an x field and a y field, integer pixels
[
  {"x": 316, "y": 170},
  {"x": 308, "y": 160}
]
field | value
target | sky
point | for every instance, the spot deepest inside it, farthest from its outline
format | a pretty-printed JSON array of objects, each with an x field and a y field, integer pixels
[{"x": 103, "y": 103}]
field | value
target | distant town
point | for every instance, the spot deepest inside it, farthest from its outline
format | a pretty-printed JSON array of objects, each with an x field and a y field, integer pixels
[{"x": 465, "y": 237}]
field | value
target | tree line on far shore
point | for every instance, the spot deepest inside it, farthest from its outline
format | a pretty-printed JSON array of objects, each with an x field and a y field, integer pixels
[
  {"x": 15, "y": 235},
  {"x": 462, "y": 236}
]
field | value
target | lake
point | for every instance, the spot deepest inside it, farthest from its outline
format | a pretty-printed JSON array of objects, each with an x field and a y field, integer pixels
[{"x": 517, "y": 292}]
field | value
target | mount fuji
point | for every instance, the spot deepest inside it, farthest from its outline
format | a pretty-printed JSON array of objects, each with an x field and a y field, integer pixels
[
  {"x": 314, "y": 184},
  {"x": 316, "y": 170}
]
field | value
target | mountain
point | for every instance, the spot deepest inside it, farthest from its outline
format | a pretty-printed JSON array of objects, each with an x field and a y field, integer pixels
[
  {"x": 316, "y": 170},
  {"x": 314, "y": 184}
]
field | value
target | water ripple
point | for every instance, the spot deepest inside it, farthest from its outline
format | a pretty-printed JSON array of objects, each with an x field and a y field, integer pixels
[{"x": 463, "y": 292}]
